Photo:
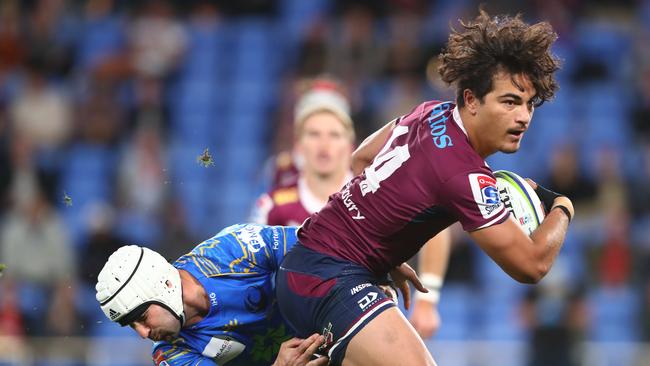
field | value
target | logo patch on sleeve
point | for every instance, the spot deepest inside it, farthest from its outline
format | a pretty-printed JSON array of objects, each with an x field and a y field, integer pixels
[
  {"x": 159, "y": 358},
  {"x": 486, "y": 194},
  {"x": 223, "y": 349}
]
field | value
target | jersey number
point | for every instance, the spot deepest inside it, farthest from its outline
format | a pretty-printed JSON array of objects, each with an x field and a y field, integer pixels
[{"x": 386, "y": 162}]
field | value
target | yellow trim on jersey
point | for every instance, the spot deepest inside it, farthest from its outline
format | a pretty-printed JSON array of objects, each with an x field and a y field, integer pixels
[
  {"x": 284, "y": 196},
  {"x": 174, "y": 352},
  {"x": 204, "y": 246},
  {"x": 238, "y": 260},
  {"x": 197, "y": 265},
  {"x": 235, "y": 274},
  {"x": 205, "y": 265}
]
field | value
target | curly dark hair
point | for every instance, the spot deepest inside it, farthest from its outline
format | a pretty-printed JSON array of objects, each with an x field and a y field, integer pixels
[{"x": 488, "y": 45}]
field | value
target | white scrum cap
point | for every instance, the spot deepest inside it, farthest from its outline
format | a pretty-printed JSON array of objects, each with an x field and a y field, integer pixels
[{"x": 135, "y": 277}]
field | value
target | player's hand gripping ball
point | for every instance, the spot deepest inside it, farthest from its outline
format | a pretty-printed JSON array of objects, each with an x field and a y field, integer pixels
[{"x": 520, "y": 199}]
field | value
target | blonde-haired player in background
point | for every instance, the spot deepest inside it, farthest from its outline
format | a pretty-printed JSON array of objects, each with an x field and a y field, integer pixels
[{"x": 324, "y": 139}]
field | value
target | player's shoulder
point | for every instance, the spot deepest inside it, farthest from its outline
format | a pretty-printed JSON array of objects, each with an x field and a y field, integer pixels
[
  {"x": 285, "y": 195},
  {"x": 425, "y": 110},
  {"x": 478, "y": 176},
  {"x": 256, "y": 236}
]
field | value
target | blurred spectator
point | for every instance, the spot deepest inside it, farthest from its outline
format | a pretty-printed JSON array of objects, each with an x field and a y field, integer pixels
[
  {"x": 142, "y": 187},
  {"x": 614, "y": 266},
  {"x": 102, "y": 241},
  {"x": 101, "y": 37},
  {"x": 157, "y": 40},
  {"x": 641, "y": 112},
  {"x": 34, "y": 243},
  {"x": 141, "y": 176},
  {"x": 313, "y": 51},
  {"x": 638, "y": 194},
  {"x": 12, "y": 50},
  {"x": 6, "y": 172},
  {"x": 404, "y": 66},
  {"x": 566, "y": 176},
  {"x": 99, "y": 118},
  {"x": 12, "y": 327},
  {"x": 355, "y": 49},
  {"x": 11, "y": 321},
  {"x": 41, "y": 111},
  {"x": 177, "y": 239},
  {"x": 50, "y": 35},
  {"x": 462, "y": 259}
]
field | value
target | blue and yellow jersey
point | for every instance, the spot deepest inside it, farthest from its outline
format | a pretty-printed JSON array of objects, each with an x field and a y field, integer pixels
[{"x": 243, "y": 326}]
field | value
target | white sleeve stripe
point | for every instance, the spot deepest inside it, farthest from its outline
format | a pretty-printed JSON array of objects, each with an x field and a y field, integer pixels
[{"x": 490, "y": 223}]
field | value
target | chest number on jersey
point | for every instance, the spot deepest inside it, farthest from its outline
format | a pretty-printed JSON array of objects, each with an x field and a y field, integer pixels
[{"x": 386, "y": 162}]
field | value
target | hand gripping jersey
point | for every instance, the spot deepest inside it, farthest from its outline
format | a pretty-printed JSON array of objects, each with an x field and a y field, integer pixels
[
  {"x": 426, "y": 177},
  {"x": 243, "y": 326}
]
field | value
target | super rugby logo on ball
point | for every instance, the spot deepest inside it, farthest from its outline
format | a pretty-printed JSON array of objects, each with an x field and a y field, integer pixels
[
  {"x": 520, "y": 199},
  {"x": 486, "y": 194}
]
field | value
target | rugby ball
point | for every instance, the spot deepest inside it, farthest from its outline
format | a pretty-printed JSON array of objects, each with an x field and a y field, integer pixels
[{"x": 520, "y": 199}]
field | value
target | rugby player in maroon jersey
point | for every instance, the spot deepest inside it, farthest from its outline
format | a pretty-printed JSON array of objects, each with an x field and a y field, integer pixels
[
  {"x": 421, "y": 173},
  {"x": 324, "y": 140}
]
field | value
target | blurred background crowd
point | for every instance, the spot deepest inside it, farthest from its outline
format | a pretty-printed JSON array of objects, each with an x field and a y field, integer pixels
[{"x": 106, "y": 105}]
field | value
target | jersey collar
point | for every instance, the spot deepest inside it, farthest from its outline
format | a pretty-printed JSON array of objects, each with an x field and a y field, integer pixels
[
  {"x": 458, "y": 120},
  {"x": 308, "y": 199},
  {"x": 459, "y": 123}
]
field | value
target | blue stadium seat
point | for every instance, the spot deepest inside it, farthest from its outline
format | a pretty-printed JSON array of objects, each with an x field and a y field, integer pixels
[
  {"x": 256, "y": 50},
  {"x": 98, "y": 39},
  {"x": 457, "y": 311},
  {"x": 193, "y": 129},
  {"x": 131, "y": 350},
  {"x": 87, "y": 174},
  {"x": 32, "y": 298},
  {"x": 299, "y": 15},
  {"x": 138, "y": 228},
  {"x": 249, "y": 129},
  {"x": 607, "y": 42},
  {"x": 252, "y": 97},
  {"x": 499, "y": 314},
  {"x": 615, "y": 314}
]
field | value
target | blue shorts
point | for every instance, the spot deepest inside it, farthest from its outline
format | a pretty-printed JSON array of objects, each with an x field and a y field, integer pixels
[{"x": 318, "y": 293}]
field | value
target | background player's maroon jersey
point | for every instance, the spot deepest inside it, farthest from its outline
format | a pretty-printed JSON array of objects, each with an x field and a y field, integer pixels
[
  {"x": 426, "y": 177},
  {"x": 281, "y": 206}
]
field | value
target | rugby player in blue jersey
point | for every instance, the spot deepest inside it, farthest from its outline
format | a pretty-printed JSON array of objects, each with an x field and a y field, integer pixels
[{"x": 214, "y": 305}]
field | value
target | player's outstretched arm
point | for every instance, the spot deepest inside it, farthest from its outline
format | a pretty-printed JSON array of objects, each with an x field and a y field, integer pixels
[
  {"x": 298, "y": 352},
  {"x": 432, "y": 265},
  {"x": 527, "y": 259}
]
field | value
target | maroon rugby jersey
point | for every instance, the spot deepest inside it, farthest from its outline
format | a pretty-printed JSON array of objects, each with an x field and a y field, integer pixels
[
  {"x": 426, "y": 177},
  {"x": 288, "y": 206},
  {"x": 281, "y": 206}
]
